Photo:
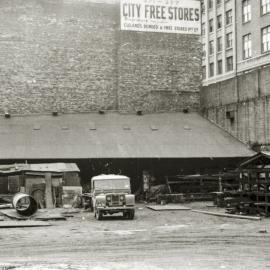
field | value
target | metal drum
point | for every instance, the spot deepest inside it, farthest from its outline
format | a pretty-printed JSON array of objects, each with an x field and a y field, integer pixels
[{"x": 24, "y": 204}]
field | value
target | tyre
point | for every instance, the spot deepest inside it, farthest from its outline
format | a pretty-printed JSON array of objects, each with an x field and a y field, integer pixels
[
  {"x": 98, "y": 215},
  {"x": 126, "y": 215},
  {"x": 131, "y": 214}
]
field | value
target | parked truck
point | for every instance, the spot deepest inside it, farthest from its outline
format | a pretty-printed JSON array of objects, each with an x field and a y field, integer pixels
[{"x": 112, "y": 194}]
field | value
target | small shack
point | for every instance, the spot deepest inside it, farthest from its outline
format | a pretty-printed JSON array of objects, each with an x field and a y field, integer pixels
[{"x": 51, "y": 184}]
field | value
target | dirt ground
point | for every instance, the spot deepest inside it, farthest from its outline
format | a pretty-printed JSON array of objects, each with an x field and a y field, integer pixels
[{"x": 154, "y": 240}]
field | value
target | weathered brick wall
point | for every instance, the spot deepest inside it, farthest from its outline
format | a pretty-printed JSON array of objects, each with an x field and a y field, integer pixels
[
  {"x": 72, "y": 56},
  {"x": 158, "y": 71},
  {"x": 248, "y": 98}
]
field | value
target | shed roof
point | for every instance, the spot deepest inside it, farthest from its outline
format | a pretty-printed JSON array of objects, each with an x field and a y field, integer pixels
[
  {"x": 114, "y": 135},
  {"x": 42, "y": 167},
  {"x": 262, "y": 158}
]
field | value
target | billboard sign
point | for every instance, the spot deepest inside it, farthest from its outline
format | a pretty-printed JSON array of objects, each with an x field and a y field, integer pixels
[{"x": 167, "y": 16}]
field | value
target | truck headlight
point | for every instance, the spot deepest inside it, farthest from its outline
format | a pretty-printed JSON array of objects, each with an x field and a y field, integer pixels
[
  {"x": 108, "y": 199},
  {"x": 122, "y": 197}
]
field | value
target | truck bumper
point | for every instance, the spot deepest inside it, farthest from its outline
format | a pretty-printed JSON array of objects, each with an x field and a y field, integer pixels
[{"x": 116, "y": 209}]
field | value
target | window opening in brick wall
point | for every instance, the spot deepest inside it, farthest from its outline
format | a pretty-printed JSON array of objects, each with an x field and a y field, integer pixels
[
  {"x": 219, "y": 21},
  {"x": 211, "y": 69},
  {"x": 228, "y": 17},
  {"x": 247, "y": 46},
  {"x": 229, "y": 63},
  {"x": 203, "y": 50},
  {"x": 211, "y": 47},
  {"x": 266, "y": 39},
  {"x": 246, "y": 11},
  {"x": 211, "y": 25},
  {"x": 219, "y": 44},
  {"x": 219, "y": 67},
  {"x": 265, "y": 6},
  {"x": 229, "y": 41},
  {"x": 203, "y": 29}
]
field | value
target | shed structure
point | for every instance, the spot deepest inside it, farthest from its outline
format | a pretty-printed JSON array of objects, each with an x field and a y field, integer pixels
[{"x": 51, "y": 184}]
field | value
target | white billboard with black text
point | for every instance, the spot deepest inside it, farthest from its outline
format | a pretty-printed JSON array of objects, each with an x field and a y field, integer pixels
[{"x": 167, "y": 16}]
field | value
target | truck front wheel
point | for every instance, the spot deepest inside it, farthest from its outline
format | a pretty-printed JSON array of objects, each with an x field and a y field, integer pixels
[
  {"x": 131, "y": 214},
  {"x": 98, "y": 214}
]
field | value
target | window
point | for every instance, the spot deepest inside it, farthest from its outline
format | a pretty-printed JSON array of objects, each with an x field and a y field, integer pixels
[
  {"x": 211, "y": 69},
  {"x": 202, "y": 7},
  {"x": 228, "y": 40},
  {"x": 219, "y": 67},
  {"x": 266, "y": 39},
  {"x": 219, "y": 21},
  {"x": 203, "y": 50},
  {"x": 229, "y": 63},
  {"x": 203, "y": 29},
  {"x": 211, "y": 25},
  {"x": 204, "y": 72},
  {"x": 210, "y": 3},
  {"x": 219, "y": 44},
  {"x": 211, "y": 47},
  {"x": 228, "y": 17},
  {"x": 247, "y": 46},
  {"x": 218, "y": 2},
  {"x": 265, "y": 6},
  {"x": 246, "y": 11}
]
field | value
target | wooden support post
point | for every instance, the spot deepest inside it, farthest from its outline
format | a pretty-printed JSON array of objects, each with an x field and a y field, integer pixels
[
  {"x": 48, "y": 191},
  {"x": 220, "y": 184}
]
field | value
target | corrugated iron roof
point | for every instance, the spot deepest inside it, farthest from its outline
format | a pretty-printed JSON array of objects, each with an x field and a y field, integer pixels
[
  {"x": 41, "y": 167},
  {"x": 170, "y": 139}
]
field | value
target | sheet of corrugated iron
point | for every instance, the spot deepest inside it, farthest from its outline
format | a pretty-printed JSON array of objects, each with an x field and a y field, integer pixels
[
  {"x": 42, "y": 167},
  {"x": 169, "y": 139}
]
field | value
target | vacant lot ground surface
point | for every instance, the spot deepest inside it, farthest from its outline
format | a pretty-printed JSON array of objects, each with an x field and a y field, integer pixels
[{"x": 154, "y": 240}]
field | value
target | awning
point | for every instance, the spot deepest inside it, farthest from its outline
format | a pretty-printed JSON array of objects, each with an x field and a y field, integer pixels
[{"x": 114, "y": 135}]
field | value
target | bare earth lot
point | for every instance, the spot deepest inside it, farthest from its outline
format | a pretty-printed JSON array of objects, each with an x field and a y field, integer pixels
[{"x": 153, "y": 240}]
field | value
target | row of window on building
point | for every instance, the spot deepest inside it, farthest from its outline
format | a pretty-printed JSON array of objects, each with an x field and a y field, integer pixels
[
  {"x": 246, "y": 8},
  {"x": 247, "y": 51},
  {"x": 247, "y": 43},
  {"x": 219, "y": 45},
  {"x": 228, "y": 21},
  {"x": 211, "y": 71}
]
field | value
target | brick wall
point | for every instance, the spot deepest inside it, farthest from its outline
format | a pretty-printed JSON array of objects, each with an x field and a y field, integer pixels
[
  {"x": 247, "y": 99},
  {"x": 72, "y": 56}
]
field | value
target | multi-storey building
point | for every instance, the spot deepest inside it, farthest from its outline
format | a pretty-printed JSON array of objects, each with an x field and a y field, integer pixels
[
  {"x": 236, "y": 72},
  {"x": 218, "y": 39}
]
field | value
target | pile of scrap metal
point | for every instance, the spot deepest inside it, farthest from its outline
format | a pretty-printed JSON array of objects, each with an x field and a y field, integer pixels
[
  {"x": 185, "y": 188},
  {"x": 253, "y": 194},
  {"x": 25, "y": 208}
]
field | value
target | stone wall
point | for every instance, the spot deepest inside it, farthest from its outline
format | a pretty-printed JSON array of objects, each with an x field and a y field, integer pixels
[
  {"x": 241, "y": 106},
  {"x": 70, "y": 55}
]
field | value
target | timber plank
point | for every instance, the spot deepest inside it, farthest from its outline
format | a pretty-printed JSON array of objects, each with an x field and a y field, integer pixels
[
  {"x": 226, "y": 215},
  {"x": 21, "y": 224},
  {"x": 167, "y": 207}
]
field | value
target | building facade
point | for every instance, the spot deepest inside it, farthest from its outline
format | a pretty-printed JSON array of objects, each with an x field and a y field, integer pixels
[
  {"x": 236, "y": 65},
  {"x": 71, "y": 56}
]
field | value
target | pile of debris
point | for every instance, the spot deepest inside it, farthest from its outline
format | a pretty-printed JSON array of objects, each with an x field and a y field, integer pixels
[{"x": 25, "y": 208}]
